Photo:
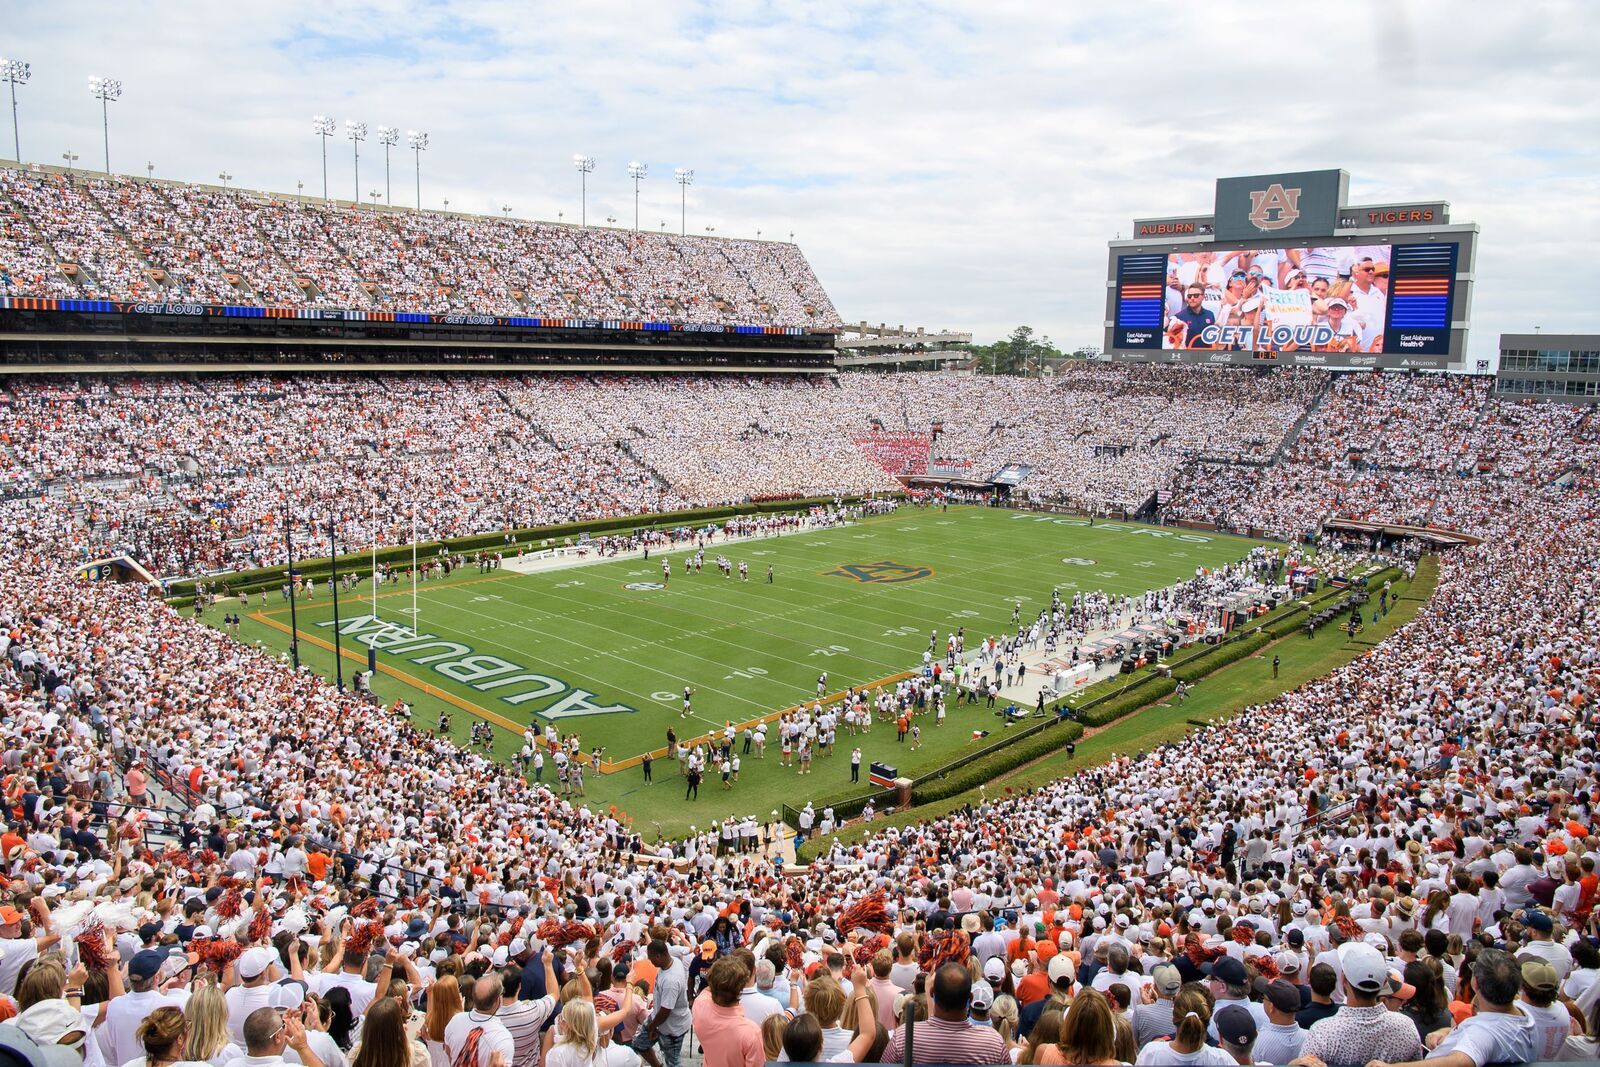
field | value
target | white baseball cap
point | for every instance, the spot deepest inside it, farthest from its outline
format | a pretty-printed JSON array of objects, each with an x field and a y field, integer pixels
[{"x": 1363, "y": 967}]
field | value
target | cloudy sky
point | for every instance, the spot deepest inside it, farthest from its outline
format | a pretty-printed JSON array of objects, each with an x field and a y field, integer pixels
[{"x": 952, "y": 164}]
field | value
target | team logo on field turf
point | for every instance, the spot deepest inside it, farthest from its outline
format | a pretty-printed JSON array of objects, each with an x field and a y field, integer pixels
[
  {"x": 885, "y": 570},
  {"x": 644, "y": 587}
]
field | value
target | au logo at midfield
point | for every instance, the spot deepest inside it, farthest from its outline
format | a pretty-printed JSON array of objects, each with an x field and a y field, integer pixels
[{"x": 883, "y": 571}]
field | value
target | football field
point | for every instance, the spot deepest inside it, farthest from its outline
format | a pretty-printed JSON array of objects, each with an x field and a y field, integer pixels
[{"x": 605, "y": 649}]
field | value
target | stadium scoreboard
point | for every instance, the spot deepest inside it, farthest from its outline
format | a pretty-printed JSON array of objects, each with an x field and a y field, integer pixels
[{"x": 1286, "y": 271}]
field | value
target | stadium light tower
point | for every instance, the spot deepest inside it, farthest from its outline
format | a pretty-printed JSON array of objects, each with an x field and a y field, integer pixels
[
  {"x": 388, "y": 136},
  {"x": 323, "y": 127},
  {"x": 226, "y": 178},
  {"x": 637, "y": 171},
  {"x": 684, "y": 178},
  {"x": 373, "y": 195},
  {"x": 357, "y": 132},
  {"x": 105, "y": 90},
  {"x": 418, "y": 142},
  {"x": 149, "y": 170},
  {"x": 16, "y": 72},
  {"x": 505, "y": 209},
  {"x": 585, "y": 165},
  {"x": 71, "y": 158}
]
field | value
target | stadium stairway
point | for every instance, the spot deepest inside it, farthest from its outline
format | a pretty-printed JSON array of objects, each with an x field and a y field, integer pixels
[
  {"x": 237, "y": 278},
  {"x": 154, "y": 273},
  {"x": 16, "y": 212},
  {"x": 1293, "y": 434}
]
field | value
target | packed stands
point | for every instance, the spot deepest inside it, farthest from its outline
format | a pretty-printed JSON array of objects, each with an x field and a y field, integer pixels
[
  {"x": 1402, "y": 849},
  {"x": 192, "y": 475},
  {"x": 126, "y": 238}
]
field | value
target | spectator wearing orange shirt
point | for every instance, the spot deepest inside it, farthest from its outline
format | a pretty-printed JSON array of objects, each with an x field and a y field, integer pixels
[{"x": 137, "y": 782}]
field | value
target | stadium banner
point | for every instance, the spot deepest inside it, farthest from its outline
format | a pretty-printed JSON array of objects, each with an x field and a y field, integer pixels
[
  {"x": 243, "y": 311},
  {"x": 949, "y": 467}
]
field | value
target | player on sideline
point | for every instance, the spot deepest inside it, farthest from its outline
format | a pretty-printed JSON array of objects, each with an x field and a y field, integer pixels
[
  {"x": 688, "y": 695},
  {"x": 769, "y": 574},
  {"x": 822, "y": 683}
]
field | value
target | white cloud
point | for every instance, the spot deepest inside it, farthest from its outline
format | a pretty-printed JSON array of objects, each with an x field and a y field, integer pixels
[{"x": 942, "y": 164}]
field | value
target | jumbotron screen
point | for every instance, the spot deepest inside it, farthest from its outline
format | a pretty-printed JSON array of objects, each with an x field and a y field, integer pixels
[{"x": 1336, "y": 298}]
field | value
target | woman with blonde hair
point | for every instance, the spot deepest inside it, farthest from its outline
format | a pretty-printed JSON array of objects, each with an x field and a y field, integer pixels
[
  {"x": 207, "y": 1012},
  {"x": 46, "y": 979},
  {"x": 1191, "y": 1012},
  {"x": 772, "y": 1035},
  {"x": 444, "y": 1004},
  {"x": 1004, "y": 1016},
  {"x": 581, "y": 1043}
]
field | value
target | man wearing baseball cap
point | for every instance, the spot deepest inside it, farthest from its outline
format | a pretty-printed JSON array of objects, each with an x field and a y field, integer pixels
[
  {"x": 1541, "y": 942},
  {"x": 1059, "y": 972},
  {"x": 1230, "y": 984},
  {"x": 1363, "y": 1030},
  {"x": 1551, "y": 1021},
  {"x": 254, "y": 968},
  {"x": 1154, "y": 1020},
  {"x": 1281, "y": 1039},
  {"x": 1236, "y": 1032},
  {"x": 17, "y": 951},
  {"x": 1497, "y": 1033},
  {"x": 125, "y": 1013}
]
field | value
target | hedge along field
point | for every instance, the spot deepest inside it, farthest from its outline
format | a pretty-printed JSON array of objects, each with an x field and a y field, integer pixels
[
  {"x": 1145, "y": 715},
  {"x": 181, "y": 593},
  {"x": 600, "y": 651}
]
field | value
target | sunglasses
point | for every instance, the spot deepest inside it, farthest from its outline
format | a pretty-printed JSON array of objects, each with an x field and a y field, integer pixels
[{"x": 1239, "y": 276}]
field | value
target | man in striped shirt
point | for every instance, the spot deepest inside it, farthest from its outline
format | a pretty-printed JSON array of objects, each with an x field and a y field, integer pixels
[
  {"x": 949, "y": 1036},
  {"x": 525, "y": 1019}
]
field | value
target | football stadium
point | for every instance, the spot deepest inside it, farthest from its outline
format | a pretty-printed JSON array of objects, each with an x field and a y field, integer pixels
[{"x": 444, "y": 636}]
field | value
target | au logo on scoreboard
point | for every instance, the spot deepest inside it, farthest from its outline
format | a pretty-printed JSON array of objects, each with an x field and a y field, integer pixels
[
  {"x": 885, "y": 571},
  {"x": 1274, "y": 207}
]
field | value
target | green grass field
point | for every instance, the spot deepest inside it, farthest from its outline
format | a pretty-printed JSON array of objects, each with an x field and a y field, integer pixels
[{"x": 603, "y": 651}]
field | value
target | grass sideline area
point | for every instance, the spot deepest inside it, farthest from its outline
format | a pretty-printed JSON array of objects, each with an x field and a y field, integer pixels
[
  {"x": 1215, "y": 697},
  {"x": 612, "y": 655}
]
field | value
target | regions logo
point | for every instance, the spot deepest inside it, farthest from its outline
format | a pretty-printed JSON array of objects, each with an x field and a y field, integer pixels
[
  {"x": 644, "y": 587},
  {"x": 1274, "y": 207},
  {"x": 883, "y": 571}
]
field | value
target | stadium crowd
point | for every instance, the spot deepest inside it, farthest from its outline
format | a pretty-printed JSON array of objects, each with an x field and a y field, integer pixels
[
  {"x": 192, "y": 475},
  {"x": 1392, "y": 862},
  {"x": 133, "y": 239}
]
